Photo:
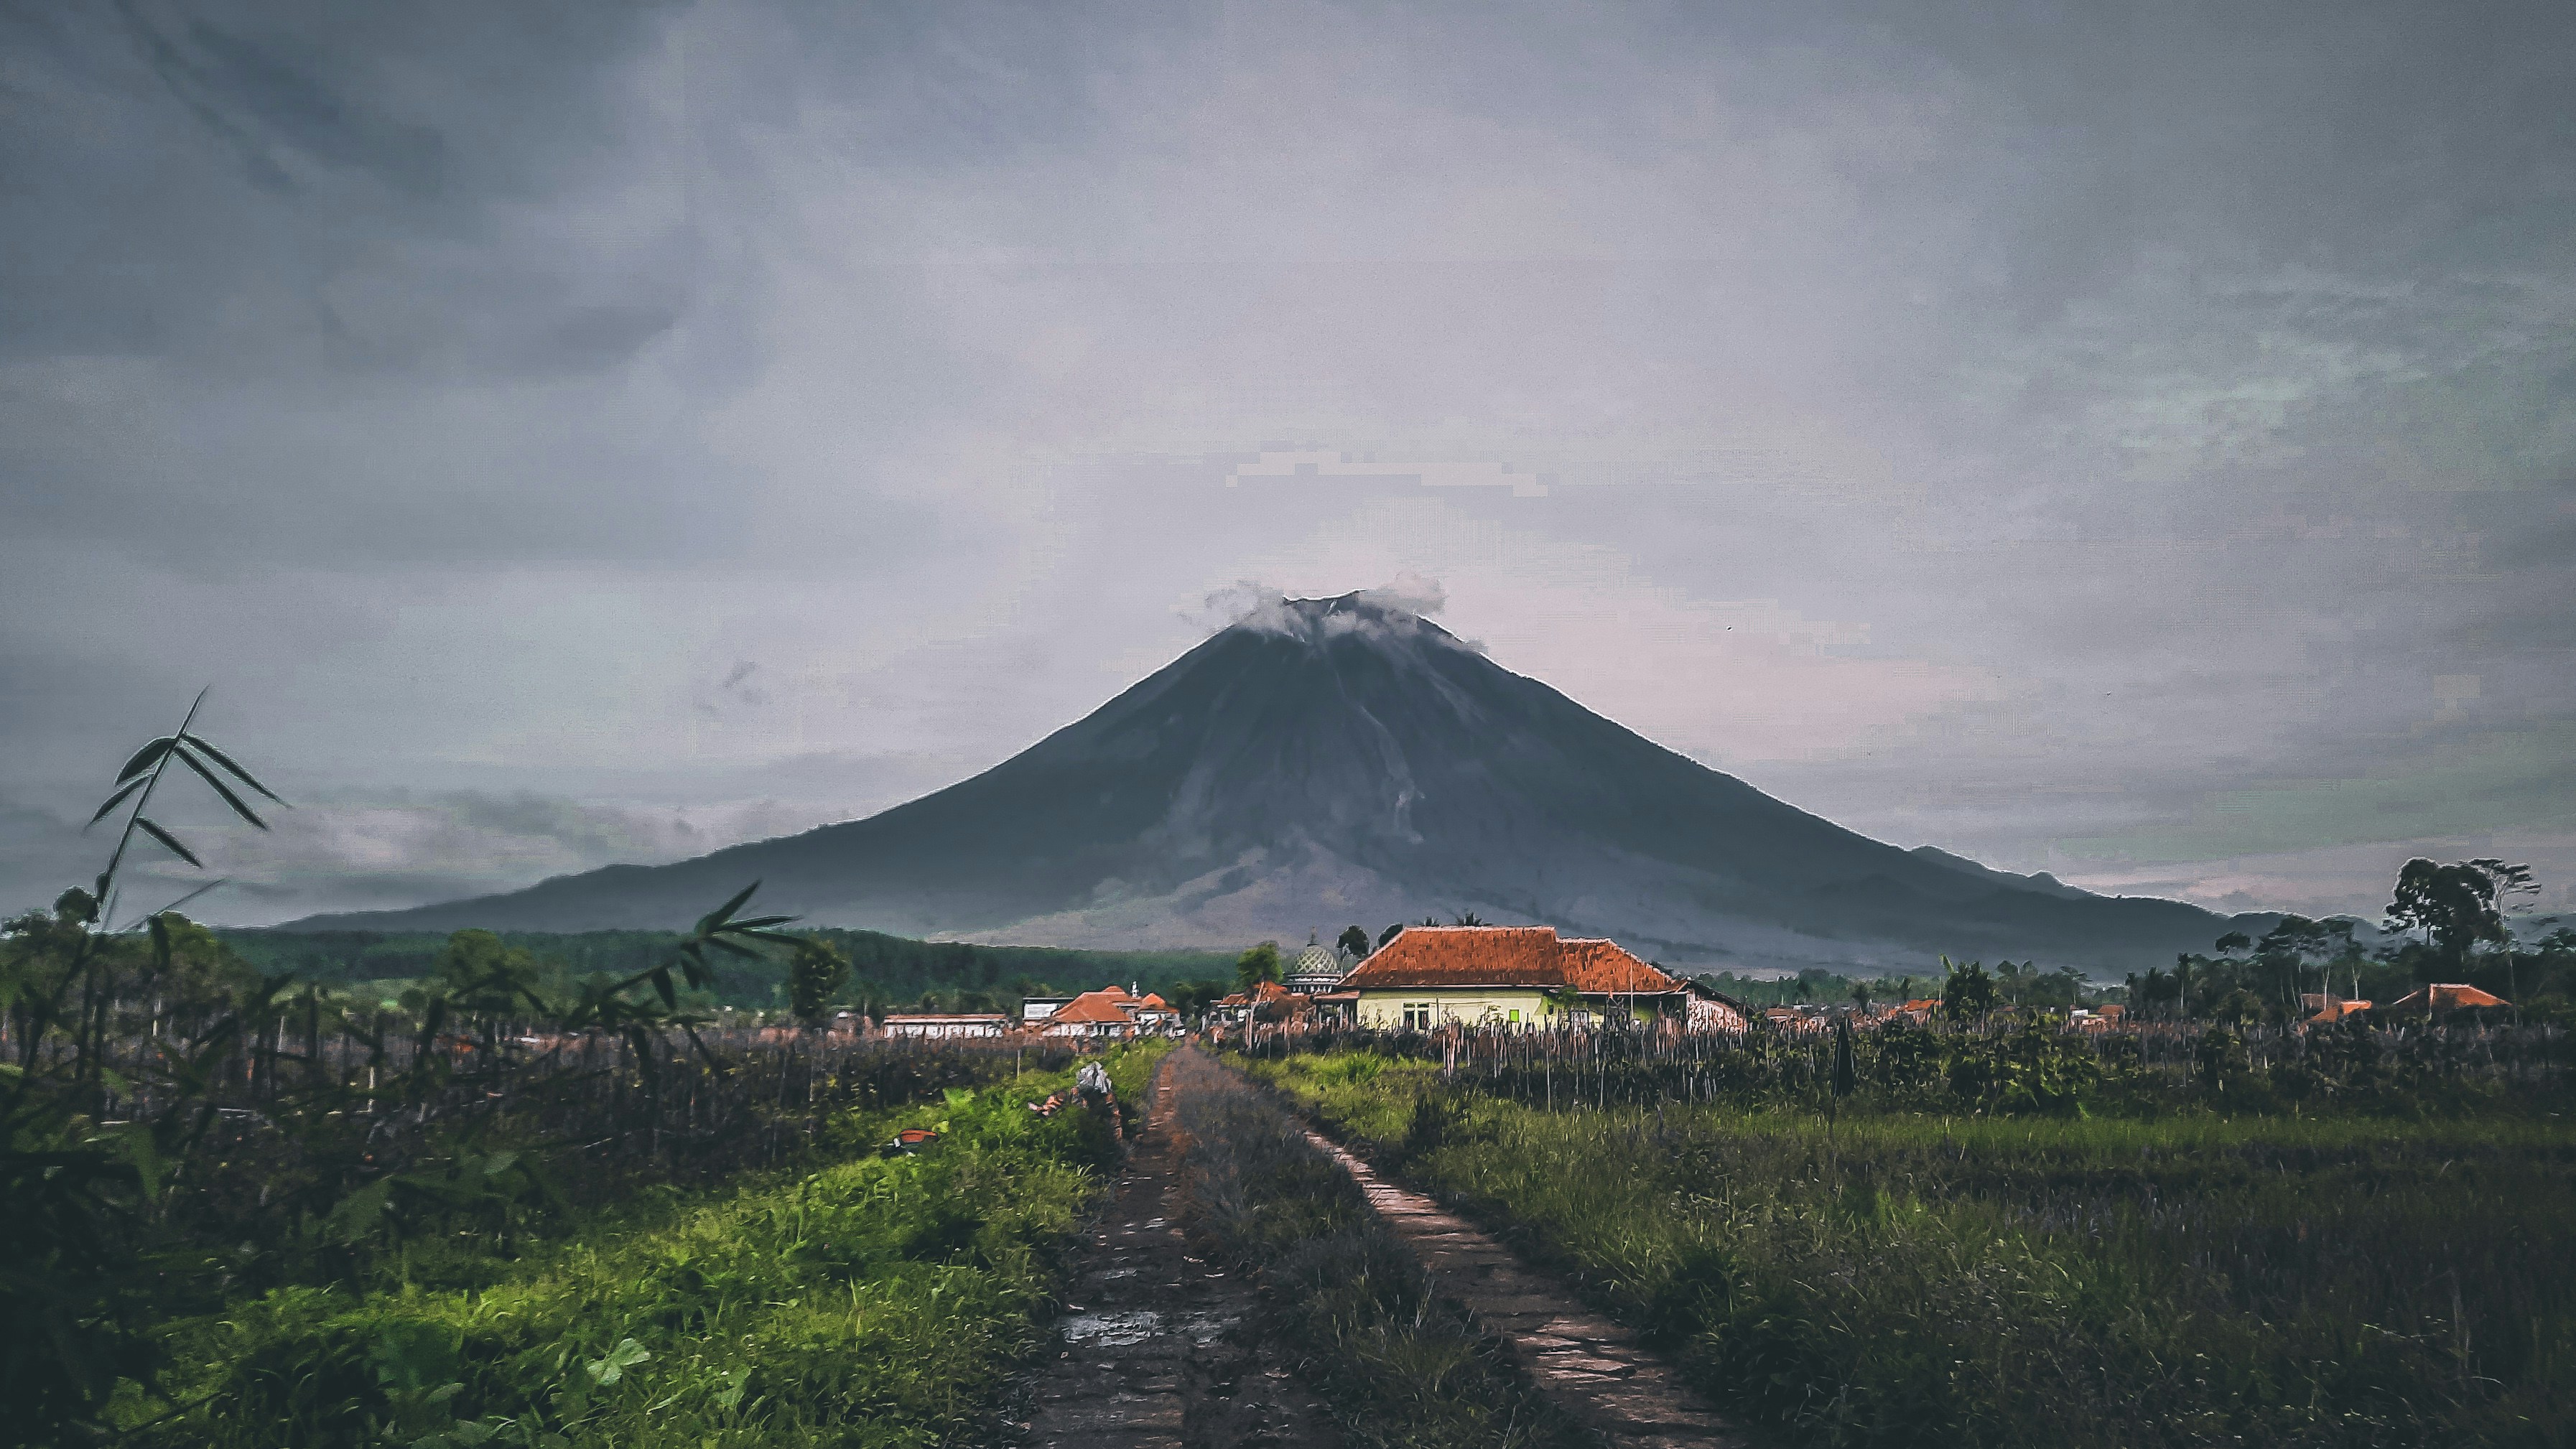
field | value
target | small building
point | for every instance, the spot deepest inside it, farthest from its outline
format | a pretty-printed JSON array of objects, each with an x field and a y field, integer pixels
[
  {"x": 1507, "y": 976},
  {"x": 1107, "y": 1014},
  {"x": 1154, "y": 1014},
  {"x": 1278, "y": 1000},
  {"x": 1034, "y": 1009},
  {"x": 942, "y": 1025},
  {"x": 1709, "y": 1009}
]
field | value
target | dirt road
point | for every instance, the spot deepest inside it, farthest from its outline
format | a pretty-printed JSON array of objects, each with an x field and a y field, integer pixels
[{"x": 1157, "y": 1350}]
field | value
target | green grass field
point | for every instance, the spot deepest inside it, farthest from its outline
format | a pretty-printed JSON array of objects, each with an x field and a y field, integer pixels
[
  {"x": 1922, "y": 1278},
  {"x": 877, "y": 1301}
]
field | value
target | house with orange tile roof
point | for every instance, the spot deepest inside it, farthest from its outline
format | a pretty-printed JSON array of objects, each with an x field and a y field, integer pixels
[
  {"x": 1506, "y": 976},
  {"x": 1153, "y": 1013},
  {"x": 1111, "y": 1011},
  {"x": 1106, "y": 1013},
  {"x": 2445, "y": 996}
]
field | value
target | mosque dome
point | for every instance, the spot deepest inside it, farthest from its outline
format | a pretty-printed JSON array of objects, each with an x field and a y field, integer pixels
[{"x": 1318, "y": 968}]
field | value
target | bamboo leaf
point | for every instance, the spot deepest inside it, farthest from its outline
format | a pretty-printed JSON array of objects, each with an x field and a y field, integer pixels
[
  {"x": 174, "y": 905},
  {"x": 724, "y": 913},
  {"x": 721, "y": 944},
  {"x": 220, "y": 758},
  {"x": 172, "y": 841},
  {"x": 235, "y": 801},
  {"x": 662, "y": 986},
  {"x": 145, "y": 758},
  {"x": 755, "y": 922},
  {"x": 128, "y": 788}
]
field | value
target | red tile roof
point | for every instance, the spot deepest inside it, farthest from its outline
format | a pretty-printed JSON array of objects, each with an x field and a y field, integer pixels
[
  {"x": 1261, "y": 991},
  {"x": 1096, "y": 1006},
  {"x": 1605, "y": 968},
  {"x": 1524, "y": 956},
  {"x": 2445, "y": 996}
]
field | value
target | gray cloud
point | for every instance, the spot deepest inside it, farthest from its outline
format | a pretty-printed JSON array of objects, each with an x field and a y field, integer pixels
[{"x": 2054, "y": 434}]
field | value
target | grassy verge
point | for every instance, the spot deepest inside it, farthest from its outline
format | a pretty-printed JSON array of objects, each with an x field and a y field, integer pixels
[
  {"x": 1396, "y": 1367},
  {"x": 878, "y": 1301},
  {"x": 1920, "y": 1279}
]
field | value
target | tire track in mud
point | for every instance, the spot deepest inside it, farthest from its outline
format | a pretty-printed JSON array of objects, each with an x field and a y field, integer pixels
[{"x": 1158, "y": 1351}]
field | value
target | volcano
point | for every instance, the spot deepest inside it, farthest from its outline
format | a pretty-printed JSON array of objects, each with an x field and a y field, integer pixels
[{"x": 1327, "y": 761}]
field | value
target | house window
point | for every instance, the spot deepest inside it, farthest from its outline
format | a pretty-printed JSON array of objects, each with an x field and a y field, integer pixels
[{"x": 1417, "y": 1016}]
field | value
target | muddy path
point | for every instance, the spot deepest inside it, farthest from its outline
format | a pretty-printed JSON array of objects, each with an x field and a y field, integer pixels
[
  {"x": 1156, "y": 1349},
  {"x": 1588, "y": 1365}
]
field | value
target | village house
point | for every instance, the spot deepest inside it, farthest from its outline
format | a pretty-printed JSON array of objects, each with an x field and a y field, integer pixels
[
  {"x": 1709, "y": 1009},
  {"x": 1242, "y": 1004},
  {"x": 1113, "y": 1013},
  {"x": 1154, "y": 1014},
  {"x": 1094, "y": 1015},
  {"x": 1509, "y": 976},
  {"x": 943, "y": 1025}
]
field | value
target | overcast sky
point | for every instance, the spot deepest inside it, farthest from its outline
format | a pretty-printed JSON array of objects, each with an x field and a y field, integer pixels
[{"x": 2136, "y": 442}]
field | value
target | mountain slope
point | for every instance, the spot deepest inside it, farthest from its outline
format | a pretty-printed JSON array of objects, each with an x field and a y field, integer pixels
[{"x": 1328, "y": 761}]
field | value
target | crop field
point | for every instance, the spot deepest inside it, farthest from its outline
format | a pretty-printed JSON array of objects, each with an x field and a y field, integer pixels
[
  {"x": 2140, "y": 1268},
  {"x": 879, "y": 1300}
]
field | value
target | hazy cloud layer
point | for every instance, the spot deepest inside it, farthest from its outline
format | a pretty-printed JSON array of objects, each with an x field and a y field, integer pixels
[{"x": 2134, "y": 443}]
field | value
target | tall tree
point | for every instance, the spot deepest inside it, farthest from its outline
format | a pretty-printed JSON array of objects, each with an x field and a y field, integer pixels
[
  {"x": 1257, "y": 965},
  {"x": 1967, "y": 993},
  {"x": 1354, "y": 940},
  {"x": 817, "y": 972},
  {"x": 2453, "y": 905}
]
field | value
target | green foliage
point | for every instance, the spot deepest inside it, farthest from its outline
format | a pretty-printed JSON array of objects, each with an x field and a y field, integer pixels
[
  {"x": 1257, "y": 965},
  {"x": 814, "y": 976},
  {"x": 880, "y": 1301},
  {"x": 2036, "y": 1280},
  {"x": 1967, "y": 992},
  {"x": 1192, "y": 998},
  {"x": 477, "y": 973},
  {"x": 129, "y": 1051},
  {"x": 1354, "y": 941}
]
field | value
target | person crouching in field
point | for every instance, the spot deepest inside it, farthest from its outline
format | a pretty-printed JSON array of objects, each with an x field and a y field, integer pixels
[{"x": 1098, "y": 1096}]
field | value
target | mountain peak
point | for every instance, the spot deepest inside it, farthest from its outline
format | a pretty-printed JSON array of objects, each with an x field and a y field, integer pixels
[
  {"x": 1348, "y": 757},
  {"x": 1376, "y": 616}
]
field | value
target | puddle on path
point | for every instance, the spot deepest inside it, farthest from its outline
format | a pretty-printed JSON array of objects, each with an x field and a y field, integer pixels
[{"x": 1113, "y": 1330}]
